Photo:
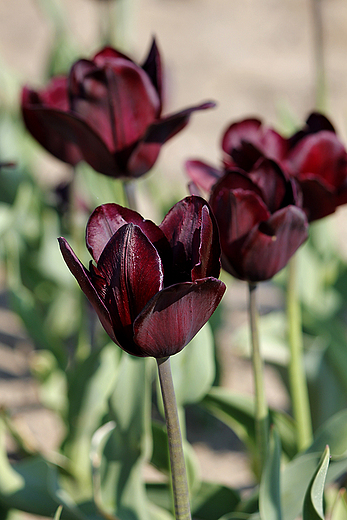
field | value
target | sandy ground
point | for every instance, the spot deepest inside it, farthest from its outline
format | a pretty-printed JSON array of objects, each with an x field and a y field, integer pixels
[{"x": 253, "y": 58}]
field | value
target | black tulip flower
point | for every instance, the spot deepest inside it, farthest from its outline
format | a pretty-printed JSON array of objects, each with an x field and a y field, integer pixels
[
  {"x": 107, "y": 112},
  {"x": 153, "y": 287},
  {"x": 260, "y": 222},
  {"x": 317, "y": 159}
]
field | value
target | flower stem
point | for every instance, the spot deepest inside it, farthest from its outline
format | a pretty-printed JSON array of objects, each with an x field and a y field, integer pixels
[
  {"x": 261, "y": 408},
  {"x": 297, "y": 378},
  {"x": 178, "y": 468},
  {"x": 129, "y": 194}
]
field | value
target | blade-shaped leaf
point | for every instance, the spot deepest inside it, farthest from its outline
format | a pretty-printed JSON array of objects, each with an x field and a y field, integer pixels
[
  {"x": 193, "y": 369},
  {"x": 269, "y": 492},
  {"x": 122, "y": 488},
  {"x": 313, "y": 504}
]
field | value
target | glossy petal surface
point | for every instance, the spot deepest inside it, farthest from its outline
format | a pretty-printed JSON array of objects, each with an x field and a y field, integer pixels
[
  {"x": 83, "y": 279},
  {"x": 186, "y": 226},
  {"x": 118, "y": 101},
  {"x": 270, "y": 245},
  {"x": 202, "y": 174},
  {"x": 173, "y": 317},
  {"x": 108, "y": 218}
]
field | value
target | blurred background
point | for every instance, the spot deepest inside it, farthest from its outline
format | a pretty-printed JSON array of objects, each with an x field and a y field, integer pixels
[{"x": 254, "y": 59}]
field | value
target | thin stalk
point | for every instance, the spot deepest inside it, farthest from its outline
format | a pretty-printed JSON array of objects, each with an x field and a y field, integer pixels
[
  {"x": 177, "y": 464},
  {"x": 318, "y": 45},
  {"x": 297, "y": 377},
  {"x": 261, "y": 407},
  {"x": 129, "y": 194}
]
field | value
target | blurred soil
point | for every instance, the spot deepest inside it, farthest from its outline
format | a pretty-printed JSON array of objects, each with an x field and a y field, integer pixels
[{"x": 253, "y": 58}]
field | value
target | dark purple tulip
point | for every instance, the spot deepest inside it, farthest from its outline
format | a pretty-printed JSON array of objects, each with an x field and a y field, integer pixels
[
  {"x": 106, "y": 112},
  {"x": 244, "y": 142},
  {"x": 153, "y": 287},
  {"x": 259, "y": 222},
  {"x": 318, "y": 161}
]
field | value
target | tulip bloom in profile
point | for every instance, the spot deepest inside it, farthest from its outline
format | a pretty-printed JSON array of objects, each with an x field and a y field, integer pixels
[
  {"x": 317, "y": 159},
  {"x": 314, "y": 156},
  {"x": 153, "y": 287},
  {"x": 260, "y": 223},
  {"x": 107, "y": 112}
]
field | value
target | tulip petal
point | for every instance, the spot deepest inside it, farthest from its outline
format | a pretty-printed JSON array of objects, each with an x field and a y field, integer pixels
[
  {"x": 270, "y": 245},
  {"x": 35, "y": 107},
  {"x": 268, "y": 176},
  {"x": 147, "y": 150},
  {"x": 238, "y": 206},
  {"x": 314, "y": 123},
  {"x": 118, "y": 101},
  {"x": 187, "y": 225},
  {"x": 202, "y": 174},
  {"x": 152, "y": 66},
  {"x": 82, "y": 276},
  {"x": 321, "y": 154},
  {"x": 108, "y": 218},
  {"x": 319, "y": 199},
  {"x": 173, "y": 317},
  {"x": 132, "y": 269},
  {"x": 246, "y": 141}
]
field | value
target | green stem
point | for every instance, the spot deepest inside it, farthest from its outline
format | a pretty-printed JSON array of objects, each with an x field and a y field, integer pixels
[
  {"x": 261, "y": 407},
  {"x": 178, "y": 468},
  {"x": 318, "y": 44},
  {"x": 297, "y": 377},
  {"x": 129, "y": 194}
]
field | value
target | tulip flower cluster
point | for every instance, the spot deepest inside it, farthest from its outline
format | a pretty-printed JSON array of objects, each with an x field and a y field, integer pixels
[
  {"x": 107, "y": 112},
  {"x": 269, "y": 189}
]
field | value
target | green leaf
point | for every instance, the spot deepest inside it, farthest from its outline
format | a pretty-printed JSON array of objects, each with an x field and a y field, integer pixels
[
  {"x": 160, "y": 457},
  {"x": 209, "y": 503},
  {"x": 333, "y": 433},
  {"x": 237, "y": 411},
  {"x": 90, "y": 386},
  {"x": 313, "y": 503},
  {"x": 32, "y": 485},
  {"x": 269, "y": 492},
  {"x": 340, "y": 508},
  {"x": 122, "y": 488},
  {"x": 214, "y": 500},
  {"x": 193, "y": 369}
]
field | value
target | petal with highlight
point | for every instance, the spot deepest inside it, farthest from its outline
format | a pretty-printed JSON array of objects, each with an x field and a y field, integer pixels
[
  {"x": 83, "y": 279},
  {"x": 173, "y": 317}
]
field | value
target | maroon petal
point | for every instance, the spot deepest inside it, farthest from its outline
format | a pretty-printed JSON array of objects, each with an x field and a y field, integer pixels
[
  {"x": 319, "y": 199},
  {"x": 268, "y": 176},
  {"x": 187, "y": 225},
  {"x": 108, "y": 218},
  {"x": 147, "y": 150},
  {"x": 106, "y": 54},
  {"x": 37, "y": 117},
  {"x": 246, "y": 141},
  {"x": 236, "y": 133},
  {"x": 152, "y": 66},
  {"x": 173, "y": 317},
  {"x": 209, "y": 249},
  {"x": 238, "y": 206},
  {"x": 202, "y": 174},
  {"x": 321, "y": 154},
  {"x": 133, "y": 271},
  {"x": 118, "y": 101},
  {"x": 83, "y": 279},
  {"x": 270, "y": 245},
  {"x": 314, "y": 123}
]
